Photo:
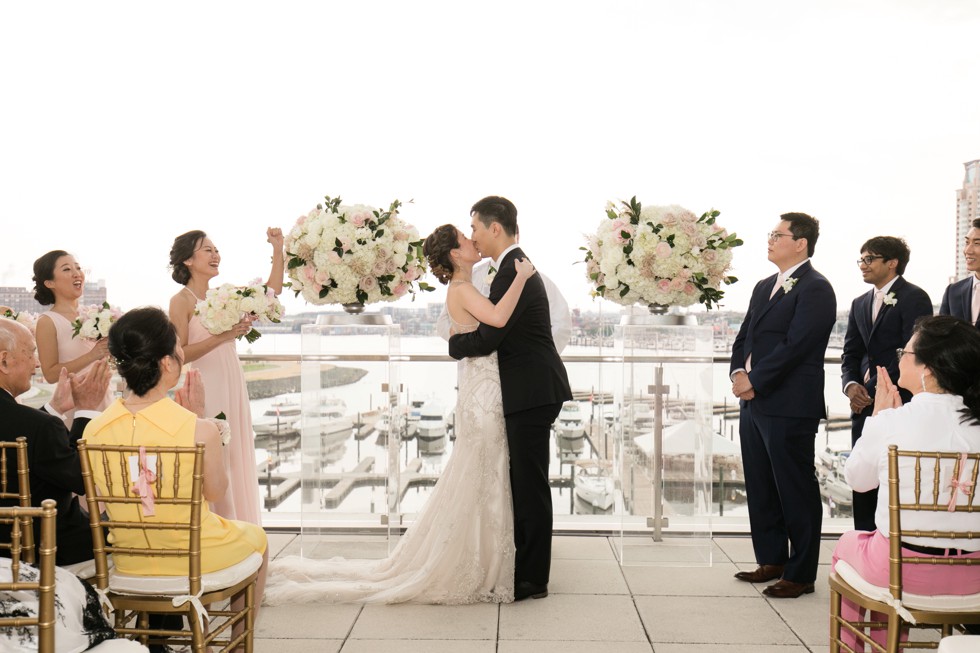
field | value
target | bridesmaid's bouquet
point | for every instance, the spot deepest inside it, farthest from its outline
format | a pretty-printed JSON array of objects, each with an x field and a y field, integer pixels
[
  {"x": 223, "y": 307},
  {"x": 24, "y": 317},
  {"x": 94, "y": 321}
]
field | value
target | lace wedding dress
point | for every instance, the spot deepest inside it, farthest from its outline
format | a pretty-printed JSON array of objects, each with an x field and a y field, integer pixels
[{"x": 461, "y": 547}]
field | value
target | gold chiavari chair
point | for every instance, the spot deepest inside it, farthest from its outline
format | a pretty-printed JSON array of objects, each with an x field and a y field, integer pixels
[
  {"x": 21, "y": 493},
  {"x": 44, "y": 585},
  {"x": 136, "y": 597},
  {"x": 903, "y": 609}
]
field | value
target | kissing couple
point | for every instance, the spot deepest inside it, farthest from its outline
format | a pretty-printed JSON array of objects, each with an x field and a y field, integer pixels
[{"x": 484, "y": 535}]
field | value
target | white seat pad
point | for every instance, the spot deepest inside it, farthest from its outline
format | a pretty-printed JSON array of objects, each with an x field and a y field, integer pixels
[
  {"x": 937, "y": 602},
  {"x": 178, "y": 585}
]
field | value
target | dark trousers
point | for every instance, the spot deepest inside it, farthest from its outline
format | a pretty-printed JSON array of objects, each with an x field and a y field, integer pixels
[
  {"x": 782, "y": 491},
  {"x": 528, "y": 438},
  {"x": 864, "y": 503}
]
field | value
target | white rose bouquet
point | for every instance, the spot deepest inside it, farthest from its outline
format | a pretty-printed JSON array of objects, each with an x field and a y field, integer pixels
[
  {"x": 338, "y": 254},
  {"x": 26, "y": 318},
  {"x": 223, "y": 307},
  {"x": 659, "y": 255},
  {"x": 94, "y": 321}
]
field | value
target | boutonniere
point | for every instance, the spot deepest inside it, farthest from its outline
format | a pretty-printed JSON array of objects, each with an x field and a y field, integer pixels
[
  {"x": 491, "y": 273},
  {"x": 889, "y": 299},
  {"x": 788, "y": 284}
]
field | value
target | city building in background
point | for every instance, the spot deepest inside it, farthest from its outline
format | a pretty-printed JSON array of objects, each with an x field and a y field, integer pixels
[
  {"x": 967, "y": 210},
  {"x": 22, "y": 299}
]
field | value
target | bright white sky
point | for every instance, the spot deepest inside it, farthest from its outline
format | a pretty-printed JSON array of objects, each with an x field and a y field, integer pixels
[{"x": 125, "y": 124}]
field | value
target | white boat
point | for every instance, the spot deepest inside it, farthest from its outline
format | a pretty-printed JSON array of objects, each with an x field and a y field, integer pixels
[
  {"x": 432, "y": 422},
  {"x": 594, "y": 483},
  {"x": 278, "y": 419},
  {"x": 571, "y": 421},
  {"x": 327, "y": 418}
]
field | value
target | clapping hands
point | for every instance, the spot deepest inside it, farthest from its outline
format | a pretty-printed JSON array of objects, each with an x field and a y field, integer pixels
[
  {"x": 191, "y": 394},
  {"x": 886, "y": 392}
]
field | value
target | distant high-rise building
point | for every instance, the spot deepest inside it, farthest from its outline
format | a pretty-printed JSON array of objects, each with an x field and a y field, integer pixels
[
  {"x": 967, "y": 210},
  {"x": 94, "y": 292},
  {"x": 19, "y": 299}
]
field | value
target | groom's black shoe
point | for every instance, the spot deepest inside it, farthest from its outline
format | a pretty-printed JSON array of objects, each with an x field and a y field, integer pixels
[{"x": 524, "y": 589}]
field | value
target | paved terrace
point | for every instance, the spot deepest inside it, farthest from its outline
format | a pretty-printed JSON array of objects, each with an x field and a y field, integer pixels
[{"x": 595, "y": 606}]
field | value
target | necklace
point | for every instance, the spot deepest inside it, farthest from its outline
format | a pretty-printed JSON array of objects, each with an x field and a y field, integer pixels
[{"x": 458, "y": 281}]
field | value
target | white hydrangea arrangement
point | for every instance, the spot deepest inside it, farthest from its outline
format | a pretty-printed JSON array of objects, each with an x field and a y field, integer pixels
[
  {"x": 659, "y": 255},
  {"x": 340, "y": 254},
  {"x": 26, "y": 318},
  {"x": 223, "y": 307},
  {"x": 94, "y": 321}
]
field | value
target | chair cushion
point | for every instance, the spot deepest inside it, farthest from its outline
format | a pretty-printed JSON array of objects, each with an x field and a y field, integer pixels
[
  {"x": 960, "y": 644},
  {"x": 177, "y": 585},
  {"x": 937, "y": 602},
  {"x": 86, "y": 570}
]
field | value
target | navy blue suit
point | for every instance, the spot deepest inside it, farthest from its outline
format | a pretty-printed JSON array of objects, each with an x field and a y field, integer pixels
[
  {"x": 787, "y": 339},
  {"x": 868, "y": 345},
  {"x": 958, "y": 300}
]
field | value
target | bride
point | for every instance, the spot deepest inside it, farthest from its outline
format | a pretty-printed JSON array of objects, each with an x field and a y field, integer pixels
[{"x": 461, "y": 548}]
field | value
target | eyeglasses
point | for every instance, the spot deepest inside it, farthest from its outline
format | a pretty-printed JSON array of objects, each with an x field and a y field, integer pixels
[
  {"x": 868, "y": 260},
  {"x": 901, "y": 352},
  {"x": 775, "y": 235}
]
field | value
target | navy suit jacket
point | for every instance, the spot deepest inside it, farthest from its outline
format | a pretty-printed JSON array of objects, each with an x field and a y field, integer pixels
[
  {"x": 787, "y": 337},
  {"x": 531, "y": 372},
  {"x": 958, "y": 300},
  {"x": 55, "y": 474},
  {"x": 868, "y": 345}
]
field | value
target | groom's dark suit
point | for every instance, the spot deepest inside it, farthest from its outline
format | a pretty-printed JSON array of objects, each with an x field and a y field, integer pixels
[
  {"x": 534, "y": 385},
  {"x": 55, "y": 474},
  {"x": 868, "y": 345},
  {"x": 786, "y": 337},
  {"x": 958, "y": 300}
]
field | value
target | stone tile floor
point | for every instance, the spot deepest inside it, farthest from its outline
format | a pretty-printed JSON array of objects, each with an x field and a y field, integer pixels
[{"x": 594, "y": 606}]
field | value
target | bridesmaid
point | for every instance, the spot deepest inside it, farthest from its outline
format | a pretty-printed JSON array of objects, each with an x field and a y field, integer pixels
[
  {"x": 59, "y": 282},
  {"x": 194, "y": 260}
]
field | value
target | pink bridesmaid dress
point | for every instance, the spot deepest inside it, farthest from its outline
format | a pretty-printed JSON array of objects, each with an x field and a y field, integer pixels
[
  {"x": 70, "y": 348},
  {"x": 225, "y": 392}
]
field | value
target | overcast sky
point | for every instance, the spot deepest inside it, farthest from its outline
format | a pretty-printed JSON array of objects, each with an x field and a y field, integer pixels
[{"x": 125, "y": 124}]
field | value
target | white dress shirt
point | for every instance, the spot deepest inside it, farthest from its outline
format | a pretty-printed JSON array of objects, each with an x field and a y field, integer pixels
[
  {"x": 930, "y": 422},
  {"x": 561, "y": 319}
]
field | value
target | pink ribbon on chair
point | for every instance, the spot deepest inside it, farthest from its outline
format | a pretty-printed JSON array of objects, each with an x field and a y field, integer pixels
[
  {"x": 143, "y": 487},
  {"x": 957, "y": 485}
]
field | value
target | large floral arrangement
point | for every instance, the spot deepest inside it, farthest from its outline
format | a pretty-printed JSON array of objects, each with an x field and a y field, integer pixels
[
  {"x": 338, "y": 254},
  {"x": 659, "y": 255},
  {"x": 223, "y": 307},
  {"x": 94, "y": 321},
  {"x": 26, "y": 318}
]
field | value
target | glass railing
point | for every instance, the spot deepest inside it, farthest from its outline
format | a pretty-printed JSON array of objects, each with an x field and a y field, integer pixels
[{"x": 363, "y": 462}]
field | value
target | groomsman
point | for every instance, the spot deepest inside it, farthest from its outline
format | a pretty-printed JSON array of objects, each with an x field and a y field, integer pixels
[
  {"x": 962, "y": 298},
  {"x": 880, "y": 322},
  {"x": 777, "y": 373}
]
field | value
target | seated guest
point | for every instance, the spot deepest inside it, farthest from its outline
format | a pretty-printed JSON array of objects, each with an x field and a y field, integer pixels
[
  {"x": 149, "y": 358},
  {"x": 51, "y": 454},
  {"x": 939, "y": 367}
]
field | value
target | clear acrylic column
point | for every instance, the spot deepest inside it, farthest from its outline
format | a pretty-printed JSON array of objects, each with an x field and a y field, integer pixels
[
  {"x": 664, "y": 443},
  {"x": 349, "y": 474}
]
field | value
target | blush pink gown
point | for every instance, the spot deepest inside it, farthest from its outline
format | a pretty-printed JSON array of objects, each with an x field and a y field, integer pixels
[
  {"x": 225, "y": 392},
  {"x": 70, "y": 348}
]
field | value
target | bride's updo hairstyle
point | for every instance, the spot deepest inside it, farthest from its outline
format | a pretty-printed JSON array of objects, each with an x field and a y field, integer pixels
[
  {"x": 436, "y": 249},
  {"x": 44, "y": 271},
  {"x": 138, "y": 341},
  {"x": 183, "y": 248}
]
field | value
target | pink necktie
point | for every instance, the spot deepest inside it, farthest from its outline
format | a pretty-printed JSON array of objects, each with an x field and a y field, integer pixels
[
  {"x": 879, "y": 300},
  {"x": 976, "y": 302},
  {"x": 778, "y": 284}
]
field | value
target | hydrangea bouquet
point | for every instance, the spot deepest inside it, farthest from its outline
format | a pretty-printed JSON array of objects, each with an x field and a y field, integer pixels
[
  {"x": 223, "y": 307},
  {"x": 93, "y": 321},
  {"x": 339, "y": 254},
  {"x": 24, "y": 317},
  {"x": 662, "y": 255}
]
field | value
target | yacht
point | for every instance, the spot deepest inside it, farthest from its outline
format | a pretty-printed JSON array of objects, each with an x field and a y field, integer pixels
[
  {"x": 431, "y": 432},
  {"x": 571, "y": 421},
  {"x": 594, "y": 483},
  {"x": 328, "y": 418},
  {"x": 279, "y": 418}
]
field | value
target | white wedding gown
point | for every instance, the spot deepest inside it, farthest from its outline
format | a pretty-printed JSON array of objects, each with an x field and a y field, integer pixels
[{"x": 461, "y": 547}]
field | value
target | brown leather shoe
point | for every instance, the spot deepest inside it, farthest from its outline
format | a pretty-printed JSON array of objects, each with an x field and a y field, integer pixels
[
  {"x": 787, "y": 589},
  {"x": 763, "y": 574}
]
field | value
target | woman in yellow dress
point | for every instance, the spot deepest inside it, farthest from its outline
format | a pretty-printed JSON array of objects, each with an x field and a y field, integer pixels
[{"x": 149, "y": 357}]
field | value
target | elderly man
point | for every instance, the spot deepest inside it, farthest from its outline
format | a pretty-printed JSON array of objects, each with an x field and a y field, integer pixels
[{"x": 53, "y": 459}]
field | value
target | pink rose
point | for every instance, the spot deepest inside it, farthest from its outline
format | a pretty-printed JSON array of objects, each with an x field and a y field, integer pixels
[
  {"x": 677, "y": 284},
  {"x": 689, "y": 289},
  {"x": 333, "y": 257},
  {"x": 400, "y": 289},
  {"x": 412, "y": 274},
  {"x": 662, "y": 250},
  {"x": 401, "y": 235},
  {"x": 663, "y": 285},
  {"x": 309, "y": 274},
  {"x": 368, "y": 284},
  {"x": 321, "y": 277},
  {"x": 360, "y": 218},
  {"x": 379, "y": 268},
  {"x": 709, "y": 256}
]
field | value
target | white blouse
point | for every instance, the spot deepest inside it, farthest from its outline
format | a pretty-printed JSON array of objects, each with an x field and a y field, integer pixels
[{"x": 930, "y": 422}]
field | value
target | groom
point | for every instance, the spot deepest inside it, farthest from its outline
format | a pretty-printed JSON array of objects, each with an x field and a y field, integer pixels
[{"x": 534, "y": 386}]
